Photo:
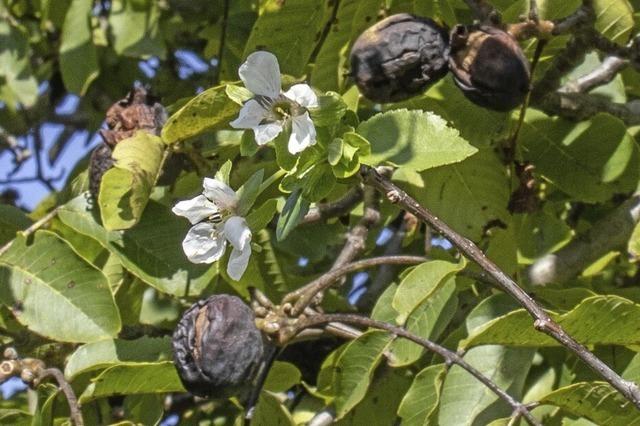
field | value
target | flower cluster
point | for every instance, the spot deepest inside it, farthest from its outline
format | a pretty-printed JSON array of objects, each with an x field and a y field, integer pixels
[{"x": 271, "y": 111}]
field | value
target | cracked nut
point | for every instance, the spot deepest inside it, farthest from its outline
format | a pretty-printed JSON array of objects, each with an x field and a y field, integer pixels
[
  {"x": 489, "y": 67},
  {"x": 217, "y": 348},
  {"x": 399, "y": 57}
]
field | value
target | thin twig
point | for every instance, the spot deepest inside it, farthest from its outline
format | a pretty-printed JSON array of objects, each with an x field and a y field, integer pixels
[
  {"x": 542, "y": 321},
  {"x": 583, "y": 16},
  {"x": 223, "y": 34},
  {"x": 334, "y": 209},
  {"x": 304, "y": 295},
  {"x": 610, "y": 233},
  {"x": 31, "y": 229},
  {"x": 450, "y": 357},
  {"x": 357, "y": 237},
  {"x": 582, "y": 106},
  {"x": 603, "y": 74},
  {"x": 562, "y": 64},
  {"x": 65, "y": 387}
]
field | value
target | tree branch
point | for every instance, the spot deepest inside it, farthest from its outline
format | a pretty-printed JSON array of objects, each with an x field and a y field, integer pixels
[
  {"x": 581, "y": 106},
  {"x": 542, "y": 321},
  {"x": 603, "y": 74},
  {"x": 335, "y": 209},
  {"x": 450, "y": 357},
  {"x": 65, "y": 387},
  {"x": 605, "y": 235},
  {"x": 304, "y": 295}
]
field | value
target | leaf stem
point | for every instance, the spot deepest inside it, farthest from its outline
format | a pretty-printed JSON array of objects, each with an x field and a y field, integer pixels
[{"x": 31, "y": 229}]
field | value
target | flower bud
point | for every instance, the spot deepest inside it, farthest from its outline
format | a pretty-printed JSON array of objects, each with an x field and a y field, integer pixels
[
  {"x": 489, "y": 67},
  {"x": 399, "y": 57},
  {"x": 217, "y": 348}
]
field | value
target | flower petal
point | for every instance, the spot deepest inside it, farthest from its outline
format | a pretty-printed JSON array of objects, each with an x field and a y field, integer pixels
[
  {"x": 302, "y": 94},
  {"x": 237, "y": 231},
  {"x": 303, "y": 133},
  {"x": 220, "y": 193},
  {"x": 251, "y": 114},
  {"x": 238, "y": 261},
  {"x": 204, "y": 243},
  {"x": 195, "y": 209},
  {"x": 267, "y": 132},
  {"x": 261, "y": 74}
]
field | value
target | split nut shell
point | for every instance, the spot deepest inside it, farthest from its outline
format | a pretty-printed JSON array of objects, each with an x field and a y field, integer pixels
[{"x": 489, "y": 67}]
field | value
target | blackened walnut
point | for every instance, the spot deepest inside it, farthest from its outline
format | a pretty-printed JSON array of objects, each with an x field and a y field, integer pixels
[
  {"x": 489, "y": 67},
  {"x": 138, "y": 111},
  {"x": 399, "y": 57},
  {"x": 99, "y": 163},
  {"x": 217, "y": 348}
]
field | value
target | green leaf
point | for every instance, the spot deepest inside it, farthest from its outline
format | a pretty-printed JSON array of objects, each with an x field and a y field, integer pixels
[
  {"x": 55, "y": 293},
  {"x": 419, "y": 405},
  {"x": 614, "y": 19},
  {"x": 152, "y": 250},
  {"x": 238, "y": 94},
  {"x": 107, "y": 353},
  {"x": 18, "y": 85},
  {"x": 282, "y": 377},
  {"x": 135, "y": 28},
  {"x": 241, "y": 15},
  {"x": 466, "y": 401},
  {"x": 317, "y": 183},
  {"x": 78, "y": 55},
  {"x": 260, "y": 217},
  {"x": 598, "y": 320},
  {"x": 575, "y": 159},
  {"x": 466, "y": 195},
  {"x": 334, "y": 151},
  {"x": 134, "y": 379},
  {"x": 379, "y": 405},
  {"x": 420, "y": 284},
  {"x": 540, "y": 233},
  {"x": 248, "y": 192},
  {"x": 355, "y": 369},
  {"x": 294, "y": 210},
  {"x": 270, "y": 411},
  {"x": 12, "y": 220},
  {"x": 477, "y": 125},
  {"x": 634, "y": 242},
  {"x": 207, "y": 111},
  {"x": 125, "y": 188},
  {"x": 596, "y": 401},
  {"x": 15, "y": 417},
  {"x": 439, "y": 10},
  {"x": 416, "y": 140},
  {"x": 144, "y": 409},
  {"x": 427, "y": 320},
  {"x": 277, "y": 22},
  {"x": 352, "y": 17},
  {"x": 331, "y": 108}
]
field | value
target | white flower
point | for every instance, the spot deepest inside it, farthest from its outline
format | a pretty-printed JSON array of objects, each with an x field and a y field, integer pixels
[
  {"x": 212, "y": 215},
  {"x": 269, "y": 111}
]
